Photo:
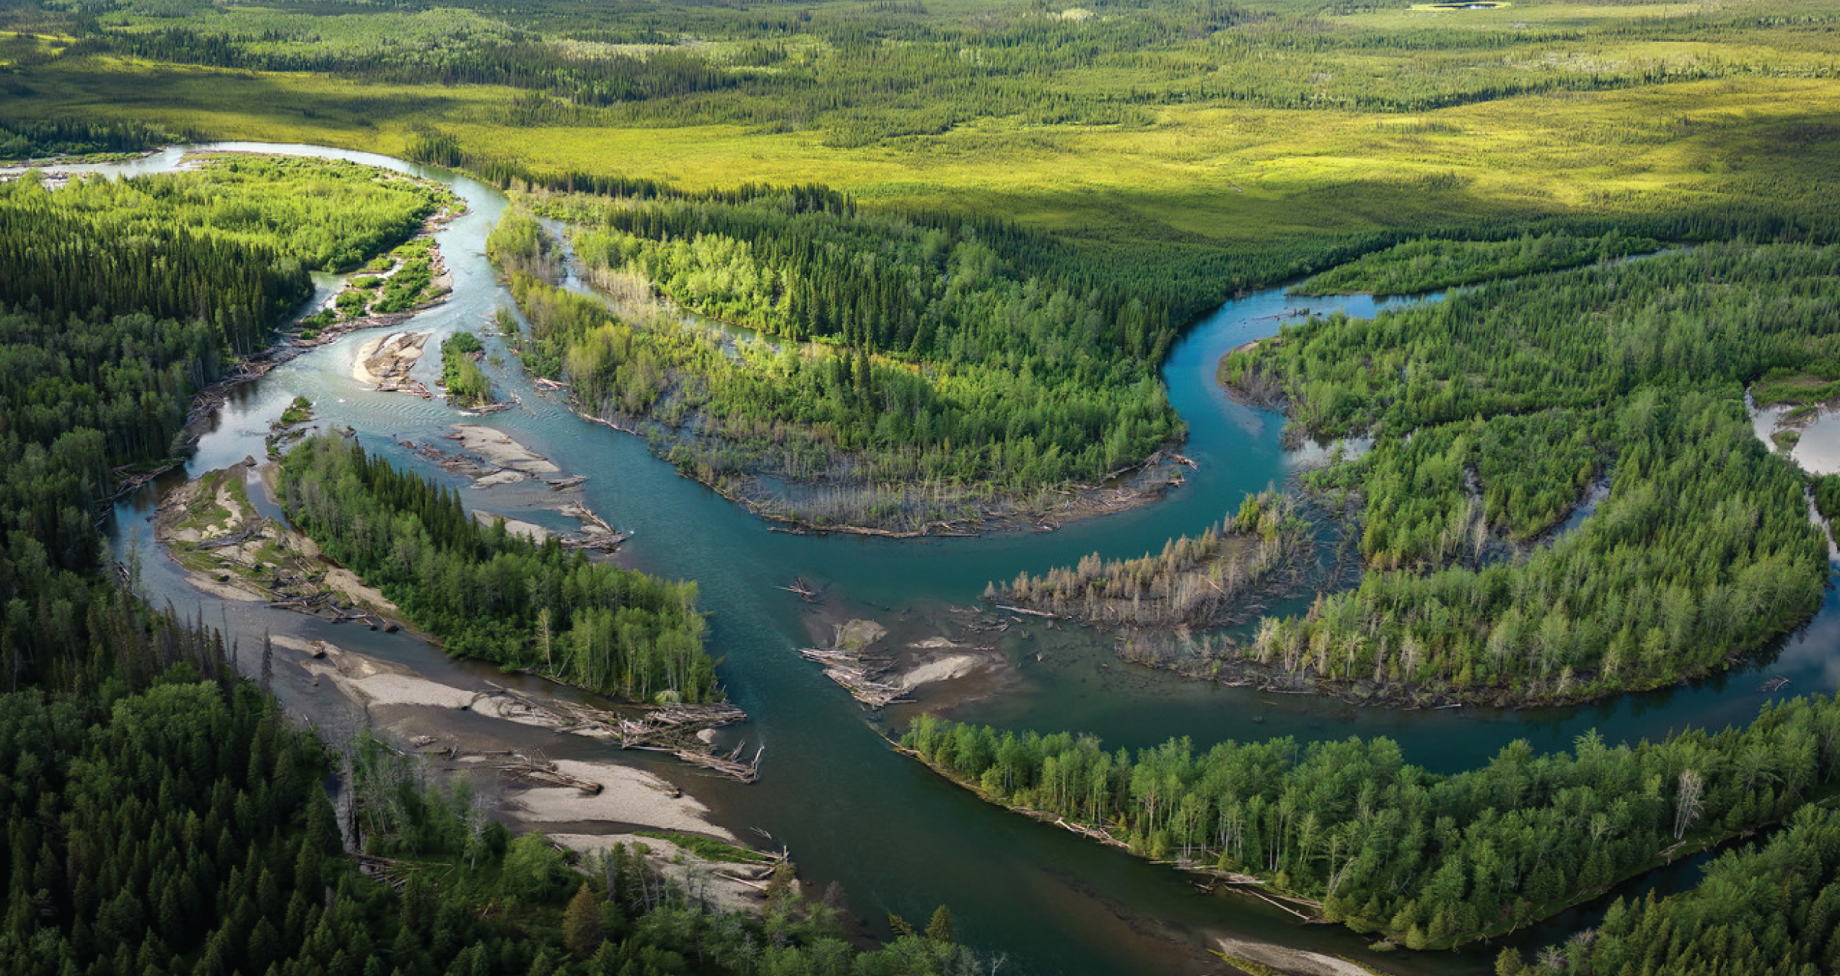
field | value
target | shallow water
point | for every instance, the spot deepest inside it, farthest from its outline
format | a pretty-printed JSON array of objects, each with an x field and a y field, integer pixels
[{"x": 896, "y": 836}]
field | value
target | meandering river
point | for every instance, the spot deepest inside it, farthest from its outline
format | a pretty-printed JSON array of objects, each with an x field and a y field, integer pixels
[{"x": 896, "y": 836}]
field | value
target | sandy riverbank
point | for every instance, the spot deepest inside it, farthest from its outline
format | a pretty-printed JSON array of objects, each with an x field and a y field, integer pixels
[
  {"x": 627, "y": 796},
  {"x": 535, "y": 533},
  {"x": 382, "y": 685},
  {"x": 497, "y": 447},
  {"x": 229, "y": 550},
  {"x": 700, "y": 878},
  {"x": 1286, "y": 961},
  {"x": 403, "y": 704}
]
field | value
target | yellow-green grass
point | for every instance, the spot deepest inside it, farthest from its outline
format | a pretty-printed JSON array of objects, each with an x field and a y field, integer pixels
[{"x": 1218, "y": 173}]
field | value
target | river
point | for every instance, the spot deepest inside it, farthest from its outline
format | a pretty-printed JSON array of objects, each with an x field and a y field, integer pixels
[{"x": 897, "y": 837}]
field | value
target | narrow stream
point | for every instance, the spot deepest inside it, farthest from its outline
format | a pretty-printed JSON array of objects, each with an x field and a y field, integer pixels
[{"x": 897, "y": 837}]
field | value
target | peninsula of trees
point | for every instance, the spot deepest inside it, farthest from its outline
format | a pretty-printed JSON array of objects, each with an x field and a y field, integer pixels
[
  {"x": 965, "y": 370},
  {"x": 1351, "y": 831},
  {"x": 490, "y": 594}
]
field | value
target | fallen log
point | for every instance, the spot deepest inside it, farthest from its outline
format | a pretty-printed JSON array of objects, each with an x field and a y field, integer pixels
[
  {"x": 801, "y": 590},
  {"x": 1032, "y": 613}
]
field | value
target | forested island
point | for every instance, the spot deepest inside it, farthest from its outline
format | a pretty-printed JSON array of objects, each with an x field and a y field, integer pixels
[
  {"x": 487, "y": 593},
  {"x": 940, "y": 387}
]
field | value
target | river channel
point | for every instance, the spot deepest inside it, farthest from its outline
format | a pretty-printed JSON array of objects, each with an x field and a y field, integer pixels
[{"x": 897, "y": 837}]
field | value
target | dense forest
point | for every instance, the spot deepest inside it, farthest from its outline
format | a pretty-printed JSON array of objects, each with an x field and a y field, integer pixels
[
  {"x": 489, "y": 594},
  {"x": 1766, "y": 910},
  {"x": 1494, "y": 411},
  {"x": 165, "y": 817},
  {"x": 119, "y": 301},
  {"x": 942, "y": 360},
  {"x": 1387, "y": 848},
  {"x": 32, "y": 139}
]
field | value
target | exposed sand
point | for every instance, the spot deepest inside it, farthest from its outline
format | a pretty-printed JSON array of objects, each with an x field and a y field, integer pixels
[
  {"x": 535, "y": 533},
  {"x": 360, "y": 369},
  {"x": 222, "y": 591},
  {"x": 857, "y": 634},
  {"x": 627, "y": 795},
  {"x": 1291, "y": 962},
  {"x": 701, "y": 878},
  {"x": 382, "y": 684},
  {"x": 506, "y": 477},
  {"x": 498, "y": 447},
  {"x": 348, "y": 583},
  {"x": 337, "y": 577},
  {"x": 943, "y": 669},
  {"x": 244, "y": 570}
]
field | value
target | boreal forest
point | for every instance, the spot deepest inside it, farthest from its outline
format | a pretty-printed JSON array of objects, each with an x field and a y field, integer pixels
[{"x": 919, "y": 487}]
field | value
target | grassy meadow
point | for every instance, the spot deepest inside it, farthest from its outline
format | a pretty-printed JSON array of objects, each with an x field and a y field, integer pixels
[{"x": 1244, "y": 138}]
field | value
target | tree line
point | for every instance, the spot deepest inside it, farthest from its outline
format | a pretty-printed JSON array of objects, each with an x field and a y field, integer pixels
[
  {"x": 38, "y": 138},
  {"x": 466, "y": 384},
  {"x": 1388, "y": 848},
  {"x": 1199, "y": 580},
  {"x": 163, "y": 815},
  {"x": 868, "y": 75},
  {"x": 1427, "y": 264},
  {"x": 490, "y": 594}
]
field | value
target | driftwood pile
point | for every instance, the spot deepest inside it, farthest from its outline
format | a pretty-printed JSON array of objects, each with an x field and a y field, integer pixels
[
  {"x": 675, "y": 729},
  {"x": 321, "y": 604},
  {"x": 858, "y": 674},
  {"x": 595, "y": 535},
  {"x": 848, "y": 662},
  {"x": 388, "y": 870},
  {"x": 542, "y": 772}
]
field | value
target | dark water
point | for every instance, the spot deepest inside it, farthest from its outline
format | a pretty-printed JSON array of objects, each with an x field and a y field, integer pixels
[{"x": 897, "y": 837}]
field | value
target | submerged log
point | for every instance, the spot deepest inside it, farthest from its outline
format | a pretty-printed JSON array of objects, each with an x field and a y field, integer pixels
[
  {"x": 746, "y": 772},
  {"x": 1032, "y": 613},
  {"x": 801, "y": 590}
]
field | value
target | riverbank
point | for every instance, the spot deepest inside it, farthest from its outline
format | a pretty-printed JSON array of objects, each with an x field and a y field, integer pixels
[
  {"x": 771, "y": 496},
  {"x": 1422, "y": 921},
  {"x": 887, "y": 832},
  {"x": 803, "y": 474},
  {"x": 586, "y": 806},
  {"x": 228, "y": 549}
]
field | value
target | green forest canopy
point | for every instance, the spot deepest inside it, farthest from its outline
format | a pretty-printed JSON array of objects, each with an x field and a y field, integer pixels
[
  {"x": 1494, "y": 409},
  {"x": 490, "y": 594},
  {"x": 1388, "y": 848}
]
